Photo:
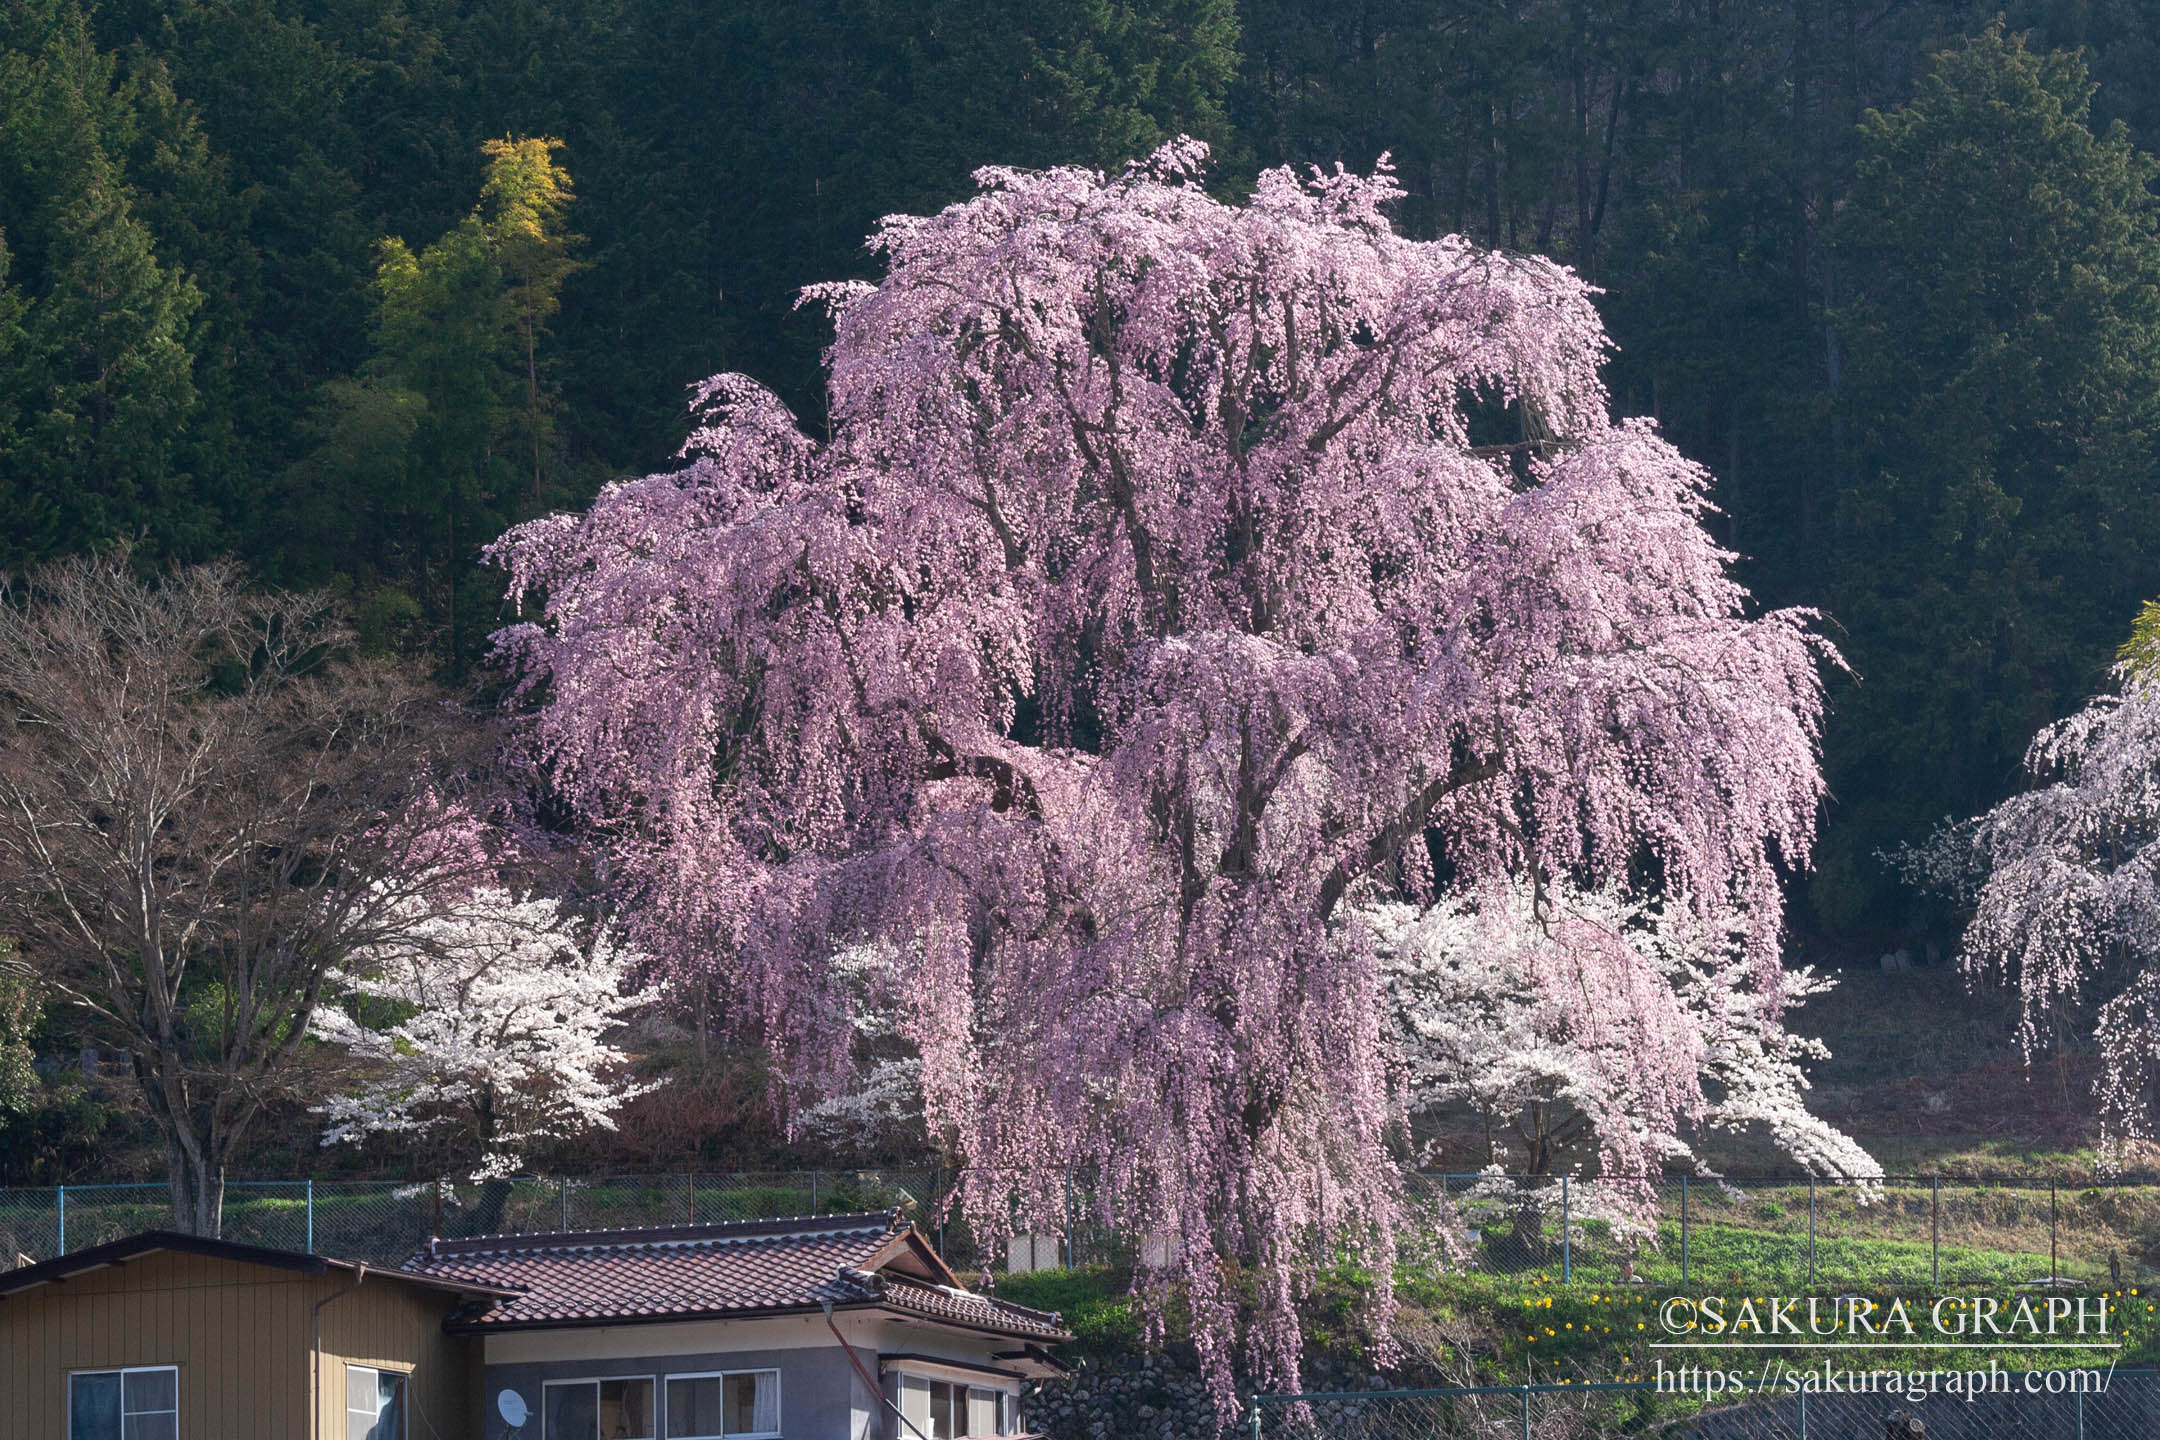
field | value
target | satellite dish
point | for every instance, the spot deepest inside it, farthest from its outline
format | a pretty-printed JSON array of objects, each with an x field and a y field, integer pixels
[{"x": 512, "y": 1406}]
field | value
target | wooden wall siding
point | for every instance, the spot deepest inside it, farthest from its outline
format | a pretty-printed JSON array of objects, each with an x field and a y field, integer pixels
[
  {"x": 240, "y": 1335},
  {"x": 393, "y": 1325}
]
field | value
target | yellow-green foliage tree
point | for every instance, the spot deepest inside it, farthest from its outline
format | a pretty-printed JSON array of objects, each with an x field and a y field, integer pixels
[
  {"x": 526, "y": 197},
  {"x": 422, "y": 457}
]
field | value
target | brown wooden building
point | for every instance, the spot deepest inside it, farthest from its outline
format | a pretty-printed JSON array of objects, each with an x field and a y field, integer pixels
[
  {"x": 820, "y": 1327},
  {"x": 165, "y": 1335}
]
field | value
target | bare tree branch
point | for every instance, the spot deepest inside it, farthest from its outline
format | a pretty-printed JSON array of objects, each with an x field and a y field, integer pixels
[{"x": 205, "y": 807}]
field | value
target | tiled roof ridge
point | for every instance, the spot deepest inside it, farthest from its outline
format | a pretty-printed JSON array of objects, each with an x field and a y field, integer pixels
[
  {"x": 903, "y": 1289},
  {"x": 870, "y": 1222},
  {"x": 961, "y": 1292}
]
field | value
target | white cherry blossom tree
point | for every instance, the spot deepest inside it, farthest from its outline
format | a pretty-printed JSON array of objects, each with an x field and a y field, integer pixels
[
  {"x": 1581, "y": 1024},
  {"x": 882, "y": 1114},
  {"x": 490, "y": 1021},
  {"x": 2064, "y": 885}
]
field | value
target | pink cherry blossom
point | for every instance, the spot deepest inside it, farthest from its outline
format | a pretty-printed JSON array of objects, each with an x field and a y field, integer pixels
[{"x": 1151, "y": 597}]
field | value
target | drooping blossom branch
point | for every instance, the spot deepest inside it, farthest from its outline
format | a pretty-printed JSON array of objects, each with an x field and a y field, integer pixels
[{"x": 2064, "y": 885}]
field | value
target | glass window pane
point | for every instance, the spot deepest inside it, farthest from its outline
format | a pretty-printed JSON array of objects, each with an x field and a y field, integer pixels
[
  {"x": 915, "y": 1401},
  {"x": 982, "y": 1412},
  {"x": 158, "y": 1425},
  {"x": 389, "y": 1405},
  {"x": 94, "y": 1406},
  {"x": 364, "y": 1403},
  {"x": 693, "y": 1406},
  {"x": 741, "y": 1403},
  {"x": 571, "y": 1412},
  {"x": 152, "y": 1390},
  {"x": 941, "y": 1411},
  {"x": 626, "y": 1409},
  {"x": 768, "y": 1402}
]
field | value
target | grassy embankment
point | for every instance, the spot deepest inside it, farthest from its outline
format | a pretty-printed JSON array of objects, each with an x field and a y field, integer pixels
[{"x": 1503, "y": 1326}]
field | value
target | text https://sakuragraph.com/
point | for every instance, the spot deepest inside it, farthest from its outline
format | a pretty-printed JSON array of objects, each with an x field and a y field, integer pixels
[{"x": 1716, "y": 1345}]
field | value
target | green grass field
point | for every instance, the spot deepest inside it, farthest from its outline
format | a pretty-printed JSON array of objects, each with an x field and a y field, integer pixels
[{"x": 1512, "y": 1324}]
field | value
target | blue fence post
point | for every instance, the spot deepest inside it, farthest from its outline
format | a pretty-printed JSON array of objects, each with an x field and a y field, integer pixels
[
  {"x": 1526, "y": 1411},
  {"x": 1256, "y": 1417},
  {"x": 311, "y": 1215},
  {"x": 1567, "y": 1227},
  {"x": 1811, "y": 1229},
  {"x": 1683, "y": 1227},
  {"x": 63, "y": 1219},
  {"x": 1935, "y": 1229}
]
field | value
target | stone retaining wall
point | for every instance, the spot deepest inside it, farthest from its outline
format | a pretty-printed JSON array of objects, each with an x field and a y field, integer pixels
[{"x": 1150, "y": 1397}]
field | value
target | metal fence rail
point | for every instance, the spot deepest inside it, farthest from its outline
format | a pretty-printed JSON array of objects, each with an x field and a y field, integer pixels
[
  {"x": 1684, "y": 1231},
  {"x": 2064, "y": 1404},
  {"x": 386, "y": 1221},
  {"x": 1667, "y": 1232}
]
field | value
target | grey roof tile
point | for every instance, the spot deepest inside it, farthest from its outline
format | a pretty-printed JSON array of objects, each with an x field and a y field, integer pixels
[{"x": 696, "y": 1271}]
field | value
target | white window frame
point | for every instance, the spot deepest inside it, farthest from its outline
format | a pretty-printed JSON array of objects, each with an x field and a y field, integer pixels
[
  {"x": 596, "y": 1381},
  {"x": 997, "y": 1407},
  {"x": 123, "y": 1371},
  {"x": 404, "y": 1410},
  {"x": 956, "y": 1399},
  {"x": 962, "y": 1379},
  {"x": 779, "y": 1400}
]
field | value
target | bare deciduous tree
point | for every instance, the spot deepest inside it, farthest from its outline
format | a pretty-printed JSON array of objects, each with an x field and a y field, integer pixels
[{"x": 205, "y": 807}]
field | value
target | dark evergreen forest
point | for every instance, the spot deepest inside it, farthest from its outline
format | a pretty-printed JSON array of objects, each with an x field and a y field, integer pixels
[{"x": 305, "y": 281}]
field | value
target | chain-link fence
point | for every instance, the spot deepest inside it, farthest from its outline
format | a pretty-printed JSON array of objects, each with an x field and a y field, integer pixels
[
  {"x": 2067, "y": 1404},
  {"x": 1661, "y": 1232},
  {"x": 1682, "y": 1232},
  {"x": 386, "y": 1221}
]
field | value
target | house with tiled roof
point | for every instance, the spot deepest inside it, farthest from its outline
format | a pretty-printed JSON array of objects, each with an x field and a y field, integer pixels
[
  {"x": 163, "y": 1336},
  {"x": 830, "y": 1327}
]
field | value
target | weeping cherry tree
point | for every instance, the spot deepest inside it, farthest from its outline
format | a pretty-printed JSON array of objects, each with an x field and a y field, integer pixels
[{"x": 1175, "y": 574}]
